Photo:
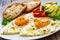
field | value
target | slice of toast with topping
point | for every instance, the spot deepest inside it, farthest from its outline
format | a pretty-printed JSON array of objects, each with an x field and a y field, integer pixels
[
  {"x": 13, "y": 10},
  {"x": 31, "y": 6}
]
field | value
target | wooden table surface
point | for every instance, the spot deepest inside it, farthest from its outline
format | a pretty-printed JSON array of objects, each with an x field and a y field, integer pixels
[{"x": 55, "y": 36}]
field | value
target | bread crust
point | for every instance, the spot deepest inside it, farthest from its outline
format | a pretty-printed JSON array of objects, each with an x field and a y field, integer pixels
[
  {"x": 14, "y": 15},
  {"x": 32, "y": 7},
  {"x": 25, "y": 9}
]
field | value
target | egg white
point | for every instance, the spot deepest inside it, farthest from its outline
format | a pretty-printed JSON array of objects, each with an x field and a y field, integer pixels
[{"x": 30, "y": 29}]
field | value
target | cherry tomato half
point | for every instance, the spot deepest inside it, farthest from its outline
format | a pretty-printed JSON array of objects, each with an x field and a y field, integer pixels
[
  {"x": 38, "y": 13},
  {"x": 36, "y": 10}
]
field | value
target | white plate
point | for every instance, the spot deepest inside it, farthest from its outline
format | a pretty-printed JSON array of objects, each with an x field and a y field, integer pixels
[{"x": 17, "y": 36}]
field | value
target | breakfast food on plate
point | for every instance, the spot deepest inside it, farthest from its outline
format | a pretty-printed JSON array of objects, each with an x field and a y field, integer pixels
[
  {"x": 21, "y": 21},
  {"x": 32, "y": 5},
  {"x": 16, "y": 9},
  {"x": 28, "y": 25},
  {"x": 37, "y": 13},
  {"x": 42, "y": 22},
  {"x": 35, "y": 23},
  {"x": 13, "y": 10}
]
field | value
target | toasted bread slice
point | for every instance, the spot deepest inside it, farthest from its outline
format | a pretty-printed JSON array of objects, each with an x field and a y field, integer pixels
[
  {"x": 13, "y": 10},
  {"x": 31, "y": 6}
]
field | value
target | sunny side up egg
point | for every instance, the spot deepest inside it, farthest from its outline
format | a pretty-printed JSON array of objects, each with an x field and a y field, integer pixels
[
  {"x": 31, "y": 30},
  {"x": 27, "y": 25}
]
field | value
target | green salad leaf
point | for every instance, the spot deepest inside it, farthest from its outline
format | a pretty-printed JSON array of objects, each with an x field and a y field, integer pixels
[{"x": 6, "y": 20}]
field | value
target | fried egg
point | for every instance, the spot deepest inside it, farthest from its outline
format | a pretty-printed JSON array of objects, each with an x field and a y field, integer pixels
[{"x": 25, "y": 26}]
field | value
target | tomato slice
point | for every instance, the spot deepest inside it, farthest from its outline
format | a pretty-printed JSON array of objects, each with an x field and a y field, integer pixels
[
  {"x": 38, "y": 13},
  {"x": 43, "y": 14},
  {"x": 36, "y": 10}
]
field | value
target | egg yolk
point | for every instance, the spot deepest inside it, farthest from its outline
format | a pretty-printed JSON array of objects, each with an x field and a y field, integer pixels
[
  {"x": 21, "y": 21},
  {"x": 42, "y": 22}
]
